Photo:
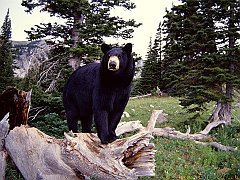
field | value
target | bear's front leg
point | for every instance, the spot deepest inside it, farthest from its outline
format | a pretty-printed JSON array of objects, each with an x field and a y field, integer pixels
[
  {"x": 101, "y": 121},
  {"x": 114, "y": 119}
]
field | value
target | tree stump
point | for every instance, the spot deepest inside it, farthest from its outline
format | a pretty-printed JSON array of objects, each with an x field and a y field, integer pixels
[{"x": 81, "y": 155}]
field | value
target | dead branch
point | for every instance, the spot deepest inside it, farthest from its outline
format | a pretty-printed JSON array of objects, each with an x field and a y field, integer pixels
[
  {"x": 125, "y": 127},
  {"x": 153, "y": 119},
  {"x": 38, "y": 109},
  {"x": 212, "y": 125},
  {"x": 52, "y": 85},
  {"x": 204, "y": 134},
  {"x": 172, "y": 133},
  {"x": 143, "y": 96},
  {"x": 217, "y": 146},
  {"x": 45, "y": 73}
]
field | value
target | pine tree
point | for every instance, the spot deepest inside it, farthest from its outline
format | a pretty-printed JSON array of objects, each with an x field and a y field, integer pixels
[
  {"x": 6, "y": 60},
  {"x": 198, "y": 58},
  {"x": 157, "y": 51},
  {"x": 87, "y": 23},
  {"x": 150, "y": 75}
]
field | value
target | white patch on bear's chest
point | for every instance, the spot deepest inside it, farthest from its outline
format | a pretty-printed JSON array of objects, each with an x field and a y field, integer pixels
[{"x": 113, "y": 63}]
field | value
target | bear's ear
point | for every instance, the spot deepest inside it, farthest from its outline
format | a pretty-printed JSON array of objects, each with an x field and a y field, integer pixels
[
  {"x": 105, "y": 48},
  {"x": 128, "y": 48}
]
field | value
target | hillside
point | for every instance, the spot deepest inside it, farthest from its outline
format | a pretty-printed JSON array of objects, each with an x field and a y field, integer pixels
[{"x": 29, "y": 54}]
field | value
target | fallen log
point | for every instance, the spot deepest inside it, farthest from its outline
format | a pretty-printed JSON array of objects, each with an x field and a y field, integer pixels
[{"x": 81, "y": 155}]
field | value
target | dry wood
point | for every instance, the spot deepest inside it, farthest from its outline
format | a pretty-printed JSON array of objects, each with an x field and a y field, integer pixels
[
  {"x": 4, "y": 127},
  {"x": 153, "y": 119},
  {"x": 80, "y": 155},
  {"x": 217, "y": 146},
  {"x": 123, "y": 159},
  {"x": 125, "y": 127},
  {"x": 143, "y": 96},
  {"x": 42, "y": 156},
  {"x": 172, "y": 133},
  {"x": 204, "y": 134},
  {"x": 212, "y": 125},
  {"x": 36, "y": 154},
  {"x": 3, "y": 163}
]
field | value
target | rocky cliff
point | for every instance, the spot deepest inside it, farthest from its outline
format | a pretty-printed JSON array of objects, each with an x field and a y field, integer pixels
[{"x": 29, "y": 54}]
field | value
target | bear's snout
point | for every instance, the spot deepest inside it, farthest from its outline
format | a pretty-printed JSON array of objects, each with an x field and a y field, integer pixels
[{"x": 113, "y": 63}]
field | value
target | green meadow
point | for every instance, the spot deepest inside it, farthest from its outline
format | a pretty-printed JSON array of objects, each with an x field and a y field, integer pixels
[{"x": 183, "y": 159}]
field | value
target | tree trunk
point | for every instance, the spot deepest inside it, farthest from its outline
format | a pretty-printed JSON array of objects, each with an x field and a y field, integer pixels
[
  {"x": 222, "y": 112},
  {"x": 75, "y": 61},
  {"x": 81, "y": 155}
]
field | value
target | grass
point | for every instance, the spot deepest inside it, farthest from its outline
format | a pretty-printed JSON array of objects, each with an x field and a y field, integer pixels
[
  {"x": 179, "y": 159},
  {"x": 183, "y": 159}
]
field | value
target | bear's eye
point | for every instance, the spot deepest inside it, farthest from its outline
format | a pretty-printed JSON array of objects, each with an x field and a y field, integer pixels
[{"x": 119, "y": 56}]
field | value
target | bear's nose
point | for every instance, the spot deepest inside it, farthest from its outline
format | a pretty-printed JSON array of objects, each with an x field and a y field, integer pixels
[{"x": 112, "y": 65}]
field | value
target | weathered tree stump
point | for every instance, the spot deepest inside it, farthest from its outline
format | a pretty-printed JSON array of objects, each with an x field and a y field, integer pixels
[{"x": 81, "y": 155}]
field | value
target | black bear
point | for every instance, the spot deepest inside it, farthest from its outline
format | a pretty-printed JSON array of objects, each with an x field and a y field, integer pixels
[{"x": 100, "y": 91}]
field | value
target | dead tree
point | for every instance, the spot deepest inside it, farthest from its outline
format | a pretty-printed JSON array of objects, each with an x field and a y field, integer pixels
[{"x": 79, "y": 155}]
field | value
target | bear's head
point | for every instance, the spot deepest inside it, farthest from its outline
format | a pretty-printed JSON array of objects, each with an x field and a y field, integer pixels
[
  {"x": 117, "y": 58},
  {"x": 117, "y": 66}
]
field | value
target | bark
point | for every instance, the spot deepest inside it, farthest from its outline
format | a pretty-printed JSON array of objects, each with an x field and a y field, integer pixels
[{"x": 222, "y": 112}]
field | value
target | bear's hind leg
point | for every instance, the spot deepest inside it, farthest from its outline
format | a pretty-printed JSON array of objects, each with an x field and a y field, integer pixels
[{"x": 72, "y": 120}]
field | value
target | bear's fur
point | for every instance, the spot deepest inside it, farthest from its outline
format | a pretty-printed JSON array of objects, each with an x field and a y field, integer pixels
[{"x": 100, "y": 91}]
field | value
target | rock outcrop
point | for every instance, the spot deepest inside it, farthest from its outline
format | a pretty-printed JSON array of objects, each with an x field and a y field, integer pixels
[{"x": 29, "y": 54}]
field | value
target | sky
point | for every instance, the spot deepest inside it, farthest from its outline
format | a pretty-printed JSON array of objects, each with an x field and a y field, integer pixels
[{"x": 150, "y": 13}]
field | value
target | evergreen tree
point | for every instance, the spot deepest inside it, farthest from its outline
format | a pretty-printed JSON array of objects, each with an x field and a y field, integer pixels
[
  {"x": 157, "y": 51},
  {"x": 200, "y": 53},
  {"x": 150, "y": 75},
  {"x": 87, "y": 23},
  {"x": 6, "y": 59}
]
